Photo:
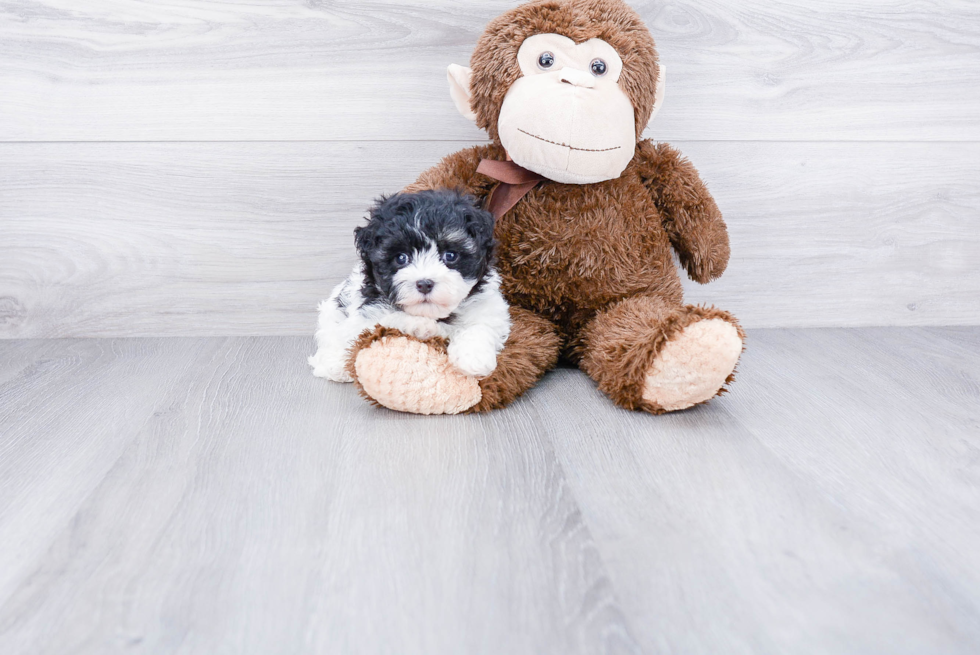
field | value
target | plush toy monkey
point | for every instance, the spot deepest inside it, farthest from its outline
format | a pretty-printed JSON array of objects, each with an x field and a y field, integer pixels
[{"x": 587, "y": 214}]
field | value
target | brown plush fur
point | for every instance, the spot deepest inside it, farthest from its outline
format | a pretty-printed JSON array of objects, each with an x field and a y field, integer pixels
[
  {"x": 620, "y": 344},
  {"x": 568, "y": 250},
  {"x": 589, "y": 268},
  {"x": 580, "y": 255},
  {"x": 531, "y": 349}
]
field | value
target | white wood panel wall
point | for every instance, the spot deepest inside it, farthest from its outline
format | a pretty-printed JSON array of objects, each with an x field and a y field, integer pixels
[{"x": 191, "y": 167}]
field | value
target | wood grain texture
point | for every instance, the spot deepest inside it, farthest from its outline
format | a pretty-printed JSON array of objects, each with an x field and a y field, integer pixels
[
  {"x": 829, "y": 504},
  {"x": 122, "y": 70},
  {"x": 211, "y": 496},
  {"x": 243, "y": 239}
]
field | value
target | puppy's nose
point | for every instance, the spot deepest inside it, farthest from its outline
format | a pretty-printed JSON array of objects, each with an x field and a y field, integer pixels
[{"x": 424, "y": 286}]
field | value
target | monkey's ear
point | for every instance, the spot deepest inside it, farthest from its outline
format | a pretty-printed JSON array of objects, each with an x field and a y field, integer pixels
[
  {"x": 459, "y": 89},
  {"x": 658, "y": 98}
]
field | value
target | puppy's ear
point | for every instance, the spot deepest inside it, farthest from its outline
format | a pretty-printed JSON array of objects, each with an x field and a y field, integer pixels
[
  {"x": 364, "y": 238},
  {"x": 479, "y": 225},
  {"x": 367, "y": 237}
]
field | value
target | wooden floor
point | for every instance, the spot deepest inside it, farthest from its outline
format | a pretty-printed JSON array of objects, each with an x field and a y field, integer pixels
[{"x": 210, "y": 496}]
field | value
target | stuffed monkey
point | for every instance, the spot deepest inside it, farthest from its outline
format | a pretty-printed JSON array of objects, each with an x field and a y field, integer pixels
[{"x": 587, "y": 216}]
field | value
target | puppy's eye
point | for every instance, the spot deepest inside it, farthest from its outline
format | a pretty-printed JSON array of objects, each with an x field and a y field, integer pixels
[
  {"x": 402, "y": 259},
  {"x": 450, "y": 257},
  {"x": 598, "y": 67},
  {"x": 546, "y": 60}
]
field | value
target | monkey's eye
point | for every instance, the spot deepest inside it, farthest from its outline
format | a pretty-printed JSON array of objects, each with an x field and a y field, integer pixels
[
  {"x": 402, "y": 259},
  {"x": 450, "y": 257},
  {"x": 546, "y": 60},
  {"x": 598, "y": 67}
]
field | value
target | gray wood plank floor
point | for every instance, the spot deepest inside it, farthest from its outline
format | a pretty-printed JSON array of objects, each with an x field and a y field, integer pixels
[{"x": 208, "y": 495}]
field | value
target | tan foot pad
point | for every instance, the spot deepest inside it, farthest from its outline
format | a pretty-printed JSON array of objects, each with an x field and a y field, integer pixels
[
  {"x": 409, "y": 376},
  {"x": 693, "y": 366}
]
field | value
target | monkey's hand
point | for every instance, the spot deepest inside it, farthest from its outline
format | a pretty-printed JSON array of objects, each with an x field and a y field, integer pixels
[
  {"x": 401, "y": 373},
  {"x": 690, "y": 216}
]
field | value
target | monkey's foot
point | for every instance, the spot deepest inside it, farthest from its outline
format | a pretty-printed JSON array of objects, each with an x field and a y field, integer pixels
[
  {"x": 693, "y": 366},
  {"x": 407, "y": 375}
]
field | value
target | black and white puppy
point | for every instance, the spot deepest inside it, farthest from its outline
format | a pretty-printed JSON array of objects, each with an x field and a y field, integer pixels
[{"x": 426, "y": 269}]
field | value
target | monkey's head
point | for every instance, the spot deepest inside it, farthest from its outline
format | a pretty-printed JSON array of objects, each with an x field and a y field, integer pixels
[{"x": 566, "y": 87}]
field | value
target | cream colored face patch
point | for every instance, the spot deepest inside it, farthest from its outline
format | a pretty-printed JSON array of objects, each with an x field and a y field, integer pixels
[
  {"x": 567, "y": 118},
  {"x": 566, "y": 52}
]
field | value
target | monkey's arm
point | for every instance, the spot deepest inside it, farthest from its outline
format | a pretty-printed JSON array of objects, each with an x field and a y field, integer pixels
[
  {"x": 458, "y": 171},
  {"x": 689, "y": 213}
]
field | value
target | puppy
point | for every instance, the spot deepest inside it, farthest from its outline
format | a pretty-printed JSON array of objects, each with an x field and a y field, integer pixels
[{"x": 426, "y": 269}]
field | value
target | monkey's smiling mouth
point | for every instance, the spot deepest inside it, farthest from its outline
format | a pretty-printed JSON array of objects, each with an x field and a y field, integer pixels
[{"x": 565, "y": 145}]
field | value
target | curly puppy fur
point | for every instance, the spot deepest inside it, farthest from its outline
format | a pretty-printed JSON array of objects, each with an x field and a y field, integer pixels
[
  {"x": 426, "y": 269},
  {"x": 588, "y": 269}
]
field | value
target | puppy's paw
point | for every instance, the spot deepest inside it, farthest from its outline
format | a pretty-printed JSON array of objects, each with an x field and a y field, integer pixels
[
  {"x": 476, "y": 360},
  {"x": 419, "y": 327},
  {"x": 329, "y": 367}
]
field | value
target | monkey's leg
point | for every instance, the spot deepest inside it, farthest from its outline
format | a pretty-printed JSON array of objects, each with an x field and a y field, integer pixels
[
  {"x": 646, "y": 354},
  {"x": 408, "y": 375}
]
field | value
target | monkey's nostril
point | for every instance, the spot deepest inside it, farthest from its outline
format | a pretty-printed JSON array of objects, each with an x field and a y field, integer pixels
[
  {"x": 577, "y": 79},
  {"x": 425, "y": 286}
]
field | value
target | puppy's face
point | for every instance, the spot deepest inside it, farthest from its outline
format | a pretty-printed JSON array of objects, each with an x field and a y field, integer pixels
[{"x": 427, "y": 251}]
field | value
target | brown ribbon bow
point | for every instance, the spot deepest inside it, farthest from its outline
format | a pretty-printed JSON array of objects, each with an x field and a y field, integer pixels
[{"x": 515, "y": 183}]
